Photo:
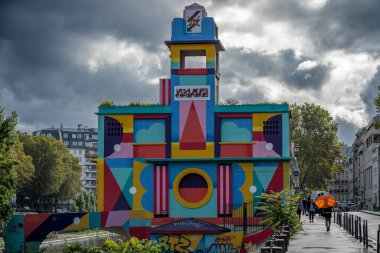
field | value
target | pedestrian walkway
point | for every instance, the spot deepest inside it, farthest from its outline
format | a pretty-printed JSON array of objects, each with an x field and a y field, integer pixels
[{"x": 315, "y": 239}]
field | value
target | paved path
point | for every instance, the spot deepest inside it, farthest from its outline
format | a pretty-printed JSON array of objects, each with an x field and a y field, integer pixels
[{"x": 315, "y": 239}]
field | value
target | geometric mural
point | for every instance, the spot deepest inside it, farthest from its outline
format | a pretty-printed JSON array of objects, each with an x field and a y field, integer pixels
[{"x": 185, "y": 158}]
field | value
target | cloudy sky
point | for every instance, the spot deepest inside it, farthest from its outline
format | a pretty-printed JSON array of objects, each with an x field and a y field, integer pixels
[{"x": 59, "y": 59}]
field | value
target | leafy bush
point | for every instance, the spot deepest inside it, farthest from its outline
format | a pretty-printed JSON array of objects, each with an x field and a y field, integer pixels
[
  {"x": 280, "y": 208},
  {"x": 107, "y": 103},
  {"x": 133, "y": 245}
]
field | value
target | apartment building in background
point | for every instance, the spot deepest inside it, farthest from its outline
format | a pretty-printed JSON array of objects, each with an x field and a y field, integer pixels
[{"x": 82, "y": 143}]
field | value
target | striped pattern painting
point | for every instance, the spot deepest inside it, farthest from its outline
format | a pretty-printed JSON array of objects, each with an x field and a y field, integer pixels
[
  {"x": 161, "y": 189},
  {"x": 164, "y": 91},
  {"x": 224, "y": 188}
]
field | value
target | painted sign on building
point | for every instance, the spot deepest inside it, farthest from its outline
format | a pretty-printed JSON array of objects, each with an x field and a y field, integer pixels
[{"x": 192, "y": 92}]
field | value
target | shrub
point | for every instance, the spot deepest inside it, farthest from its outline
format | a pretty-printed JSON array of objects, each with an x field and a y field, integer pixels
[{"x": 280, "y": 208}]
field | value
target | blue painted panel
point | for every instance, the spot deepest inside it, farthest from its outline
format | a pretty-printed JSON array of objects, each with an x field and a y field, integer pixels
[
  {"x": 238, "y": 179},
  {"x": 139, "y": 223},
  {"x": 100, "y": 136},
  {"x": 179, "y": 30},
  {"x": 146, "y": 180},
  {"x": 236, "y": 130},
  {"x": 175, "y": 121},
  {"x": 119, "y": 162},
  {"x": 193, "y": 80},
  {"x": 208, "y": 210},
  {"x": 149, "y": 130},
  {"x": 174, "y": 65},
  {"x": 95, "y": 220},
  {"x": 285, "y": 134},
  {"x": 210, "y": 64}
]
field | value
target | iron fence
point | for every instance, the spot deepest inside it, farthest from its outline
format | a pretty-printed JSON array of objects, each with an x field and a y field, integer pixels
[{"x": 241, "y": 217}]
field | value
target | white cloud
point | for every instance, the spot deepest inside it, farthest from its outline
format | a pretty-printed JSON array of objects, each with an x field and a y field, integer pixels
[{"x": 306, "y": 65}]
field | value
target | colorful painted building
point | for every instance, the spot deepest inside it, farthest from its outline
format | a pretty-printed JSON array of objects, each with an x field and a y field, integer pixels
[
  {"x": 170, "y": 172},
  {"x": 189, "y": 156}
]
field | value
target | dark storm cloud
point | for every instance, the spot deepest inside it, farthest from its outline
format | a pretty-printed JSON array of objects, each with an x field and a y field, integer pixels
[
  {"x": 346, "y": 130},
  {"x": 369, "y": 94},
  {"x": 281, "y": 66},
  {"x": 339, "y": 24},
  {"x": 39, "y": 44}
]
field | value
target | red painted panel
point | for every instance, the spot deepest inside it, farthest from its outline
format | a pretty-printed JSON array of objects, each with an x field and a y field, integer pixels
[
  {"x": 31, "y": 222},
  {"x": 193, "y": 146},
  {"x": 127, "y": 137},
  {"x": 140, "y": 232},
  {"x": 257, "y": 238},
  {"x": 235, "y": 150},
  {"x": 149, "y": 151},
  {"x": 193, "y": 71},
  {"x": 234, "y": 115}
]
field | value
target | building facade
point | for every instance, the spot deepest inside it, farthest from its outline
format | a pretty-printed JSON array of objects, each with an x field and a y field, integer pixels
[
  {"x": 190, "y": 156},
  {"x": 82, "y": 143},
  {"x": 341, "y": 187}
]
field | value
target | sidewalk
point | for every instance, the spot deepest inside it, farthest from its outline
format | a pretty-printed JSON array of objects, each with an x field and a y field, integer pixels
[{"x": 315, "y": 239}]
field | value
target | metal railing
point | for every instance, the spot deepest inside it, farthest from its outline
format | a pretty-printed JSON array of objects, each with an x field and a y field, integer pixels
[
  {"x": 242, "y": 218},
  {"x": 354, "y": 225}
]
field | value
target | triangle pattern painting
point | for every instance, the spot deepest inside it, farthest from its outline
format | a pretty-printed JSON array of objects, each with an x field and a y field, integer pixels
[
  {"x": 192, "y": 137},
  {"x": 276, "y": 183},
  {"x": 265, "y": 173},
  {"x": 111, "y": 190}
]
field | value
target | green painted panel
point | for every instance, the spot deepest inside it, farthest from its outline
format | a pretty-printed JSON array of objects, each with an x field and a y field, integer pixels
[{"x": 192, "y": 80}]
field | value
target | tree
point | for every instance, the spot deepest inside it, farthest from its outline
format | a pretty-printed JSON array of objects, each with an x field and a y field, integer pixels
[
  {"x": 57, "y": 172},
  {"x": 8, "y": 165},
  {"x": 85, "y": 201},
  {"x": 315, "y": 134},
  {"x": 25, "y": 171}
]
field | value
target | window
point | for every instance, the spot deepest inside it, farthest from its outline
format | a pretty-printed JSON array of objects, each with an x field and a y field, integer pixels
[
  {"x": 66, "y": 143},
  {"x": 74, "y": 136},
  {"x": 79, "y": 136},
  {"x": 190, "y": 59},
  {"x": 80, "y": 143},
  {"x": 271, "y": 127},
  {"x": 94, "y": 137},
  {"x": 75, "y": 143},
  {"x": 49, "y": 135},
  {"x": 65, "y": 135},
  {"x": 80, "y": 151},
  {"x": 87, "y": 136}
]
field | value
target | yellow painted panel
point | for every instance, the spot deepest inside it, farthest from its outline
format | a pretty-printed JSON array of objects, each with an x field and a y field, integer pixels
[
  {"x": 125, "y": 120},
  {"x": 286, "y": 171},
  {"x": 83, "y": 223},
  {"x": 210, "y": 50},
  {"x": 258, "y": 118},
  {"x": 138, "y": 167},
  {"x": 235, "y": 238},
  {"x": 207, "y": 153},
  {"x": 100, "y": 163},
  {"x": 141, "y": 214}
]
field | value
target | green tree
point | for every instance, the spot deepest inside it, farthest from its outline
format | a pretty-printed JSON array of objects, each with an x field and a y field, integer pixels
[
  {"x": 8, "y": 165},
  {"x": 57, "y": 172},
  {"x": 85, "y": 201},
  {"x": 314, "y": 132},
  {"x": 25, "y": 172}
]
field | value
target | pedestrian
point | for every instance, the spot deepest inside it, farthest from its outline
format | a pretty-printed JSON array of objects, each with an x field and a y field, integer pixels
[
  {"x": 299, "y": 209},
  {"x": 327, "y": 214},
  {"x": 304, "y": 209},
  {"x": 311, "y": 210}
]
